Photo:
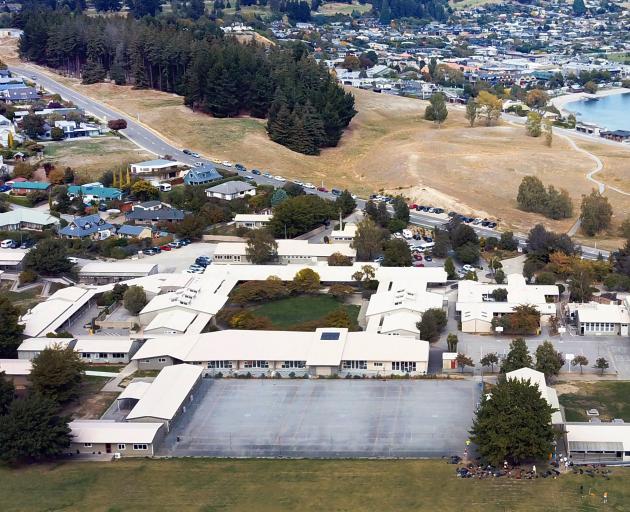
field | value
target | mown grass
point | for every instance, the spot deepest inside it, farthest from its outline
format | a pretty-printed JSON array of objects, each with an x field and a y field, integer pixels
[
  {"x": 304, "y": 485},
  {"x": 287, "y": 313},
  {"x": 609, "y": 398}
]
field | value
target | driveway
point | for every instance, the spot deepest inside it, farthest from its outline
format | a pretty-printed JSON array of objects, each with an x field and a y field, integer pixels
[{"x": 326, "y": 418}]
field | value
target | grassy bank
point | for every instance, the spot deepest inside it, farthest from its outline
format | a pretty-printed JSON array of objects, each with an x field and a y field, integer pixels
[
  {"x": 305, "y": 485},
  {"x": 609, "y": 398}
]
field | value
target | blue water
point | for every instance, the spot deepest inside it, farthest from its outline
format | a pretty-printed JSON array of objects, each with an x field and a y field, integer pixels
[{"x": 610, "y": 112}]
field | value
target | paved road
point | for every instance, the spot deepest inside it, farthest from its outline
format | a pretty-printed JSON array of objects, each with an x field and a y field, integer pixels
[{"x": 147, "y": 139}]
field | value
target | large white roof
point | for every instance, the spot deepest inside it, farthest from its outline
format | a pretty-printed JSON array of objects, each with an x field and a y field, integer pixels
[
  {"x": 289, "y": 248},
  {"x": 106, "y": 431},
  {"x": 598, "y": 435},
  {"x": 243, "y": 345},
  {"x": 135, "y": 390},
  {"x": 105, "y": 344},
  {"x": 538, "y": 378},
  {"x": 167, "y": 392},
  {"x": 12, "y": 256},
  {"x": 117, "y": 268},
  {"x": 596, "y": 312},
  {"x": 177, "y": 320},
  {"x": 403, "y": 298},
  {"x": 27, "y": 215},
  {"x": 16, "y": 366},
  {"x": 39, "y": 344},
  {"x": 252, "y": 217}
]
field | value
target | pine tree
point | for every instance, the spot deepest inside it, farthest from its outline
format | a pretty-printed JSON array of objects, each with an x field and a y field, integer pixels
[
  {"x": 386, "y": 14},
  {"x": 281, "y": 127}
]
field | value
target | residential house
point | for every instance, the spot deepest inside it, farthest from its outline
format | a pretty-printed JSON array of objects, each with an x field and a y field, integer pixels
[
  {"x": 7, "y": 130},
  {"x": 161, "y": 167},
  {"x": 202, "y": 175},
  {"x": 19, "y": 95},
  {"x": 252, "y": 220},
  {"x": 94, "y": 192},
  {"x": 151, "y": 212},
  {"x": 140, "y": 232},
  {"x": 73, "y": 130},
  {"x": 88, "y": 226},
  {"x": 27, "y": 219},
  {"x": 231, "y": 190},
  {"x": 22, "y": 188}
]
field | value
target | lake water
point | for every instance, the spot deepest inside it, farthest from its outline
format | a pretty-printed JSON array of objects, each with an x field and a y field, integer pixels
[{"x": 610, "y": 112}]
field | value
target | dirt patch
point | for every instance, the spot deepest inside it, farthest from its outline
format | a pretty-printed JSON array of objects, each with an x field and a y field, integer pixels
[{"x": 565, "y": 388}]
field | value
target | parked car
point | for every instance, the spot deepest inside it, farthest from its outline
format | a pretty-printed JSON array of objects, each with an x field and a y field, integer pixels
[
  {"x": 438, "y": 210},
  {"x": 407, "y": 234},
  {"x": 417, "y": 263},
  {"x": 380, "y": 259},
  {"x": 194, "y": 155},
  {"x": 203, "y": 261},
  {"x": 187, "y": 151},
  {"x": 279, "y": 178},
  {"x": 73, "y": 260},
  {"x": 268, "y": 175},
  {"x": 185, "y": 241},
  {"x": 468, "y": 268},
  {"x": 413, "y": 206},
  {"x": 309, "y": 186},
  {"x": 175, "y": 245},
  {"x": 152, "y": 251},
  {"x": 492, "y": 225},
  {"x": 256, "y": 172},
  {"x": 198, "y": 164},
  {"x": 6, "y": 244},
  {"x": 428, "y": 257},
  {"x": 322, "y": 189},
  {"x": 15, "y": 244},
  {"x": 226, "y": 163},
  {"x": 335, "y": 192},
  {"x": 417, "y": 256},
  {"x": 239, "y": 167},
  {"x": 5, "y": 188},
  {"x": 165, "y": 247}
]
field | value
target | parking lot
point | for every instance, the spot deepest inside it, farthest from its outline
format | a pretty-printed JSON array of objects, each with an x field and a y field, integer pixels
[
  {"x": 325, "y": 418},
  {"x": 178, "y": 260}
]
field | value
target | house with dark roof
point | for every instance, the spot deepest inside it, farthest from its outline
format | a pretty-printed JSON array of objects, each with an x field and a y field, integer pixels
[
  {"x": 151, "y": 212},
  {"x": 129, "y": 231},
  {"x": 616, "y": 135},
  {"x": 202, "y": 175},
  {"x": 19, "y": 94},
  {"x": 88, "y": 226}
]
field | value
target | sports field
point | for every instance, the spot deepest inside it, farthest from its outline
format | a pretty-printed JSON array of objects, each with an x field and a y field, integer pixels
[{"x": 204, "y": 485}]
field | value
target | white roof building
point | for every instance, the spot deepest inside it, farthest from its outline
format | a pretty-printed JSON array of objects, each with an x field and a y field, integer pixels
[
  {"x": 477, "y": 307},
  {"x": 31, "y": 347},
  {"x": 108, "y": 436},
  {"x": 11, "y": 259},
  {"x": 166, "y": 396},
  {"x": 549, "y": 394},
  {"x": 599, "y": 441},
  {"x": 289, "y": 251},
  {"x": 15, "y": 367},
  {"x": 106, "y": 271},
  {"x": 26, "y": 218},
  {"x": 346, "y": 234},
  {"x": 608, "y": 319},
  {"x": 325, "y": 350},
  {"x": 252, "y": 220},
  {"x": 52, "y": 314}
]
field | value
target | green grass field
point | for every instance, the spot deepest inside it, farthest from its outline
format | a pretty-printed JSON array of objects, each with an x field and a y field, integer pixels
[
  {"x": 286, "y": 313},
  {"x": 609, "y": 398},
  {"x": 206, "y": 485}
]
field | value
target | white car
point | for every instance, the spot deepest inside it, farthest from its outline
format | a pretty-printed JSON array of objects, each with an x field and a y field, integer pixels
[
  {"x": 198, "y": 164},
  {"x": 226, "y": 163},
  {"x": 73, "y": 260},
  {"x": 268, "y": 175},
  {"x": 194, "y": 155},
  {"x": 407, "y": 234},
  {"x": 279, "y": 178},
  {"x": 309, "y": 185},
  {"x": 468, "y": 268}
]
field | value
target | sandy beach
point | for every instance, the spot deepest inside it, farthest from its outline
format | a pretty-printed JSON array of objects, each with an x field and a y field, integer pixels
[{"x": 560, "y": 101}]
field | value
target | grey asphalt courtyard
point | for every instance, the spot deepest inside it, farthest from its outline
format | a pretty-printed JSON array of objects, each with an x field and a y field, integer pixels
[{"x": 326, "y": 418}]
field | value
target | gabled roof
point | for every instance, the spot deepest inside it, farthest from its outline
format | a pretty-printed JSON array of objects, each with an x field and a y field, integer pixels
[
  {"x": 164, "y": 213},
  {"x": 30, "y": 185},
  {"x": 126, "y": 229},
  {"x": 202, "y": 174},
  {"x": 85, "y": 226},
  {"x": 109, "y": 431},
  {"x": 27, "y": 215},
  {"x": 167, "y": 392},
  {"x": 230, "y": 187},
  {"x": 102, "y": 192}
]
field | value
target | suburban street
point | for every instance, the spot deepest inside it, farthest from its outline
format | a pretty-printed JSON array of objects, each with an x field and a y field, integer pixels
[{"x": 147, "y": 139}]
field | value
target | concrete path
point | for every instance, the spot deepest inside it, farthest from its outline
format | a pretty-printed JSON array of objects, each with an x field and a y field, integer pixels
[{"x": 113, "y": 386}]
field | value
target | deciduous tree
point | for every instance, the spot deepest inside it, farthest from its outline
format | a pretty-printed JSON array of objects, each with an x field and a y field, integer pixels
[
  {"x": 57, "y": 373},
  {"x": 489, "y": 360},
  {"x": 596, "y": 213},
  {"x": 548, "y": 360},
  {"x": 261, "y": 246},
  {"x": 368, "y": 240},
  {"x": 579, "y": 360},
  {"x": 306, "y": 281},
  {"x": 134, "y": 299}
]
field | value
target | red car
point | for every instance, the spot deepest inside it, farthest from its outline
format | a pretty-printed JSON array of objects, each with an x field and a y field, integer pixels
[
  {"x": 413, "y": 206},
  {"x": 417, "y": 264},
  {"x": 322, "y": 189},
  {"x": 417, "y": 256},
  {"x": 165, "y": 248}
]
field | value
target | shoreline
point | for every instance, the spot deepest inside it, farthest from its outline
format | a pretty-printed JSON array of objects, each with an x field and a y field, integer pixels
[{"x": 561, "y": 101}]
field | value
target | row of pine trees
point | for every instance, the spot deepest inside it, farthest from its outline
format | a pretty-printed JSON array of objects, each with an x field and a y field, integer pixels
[{"x": 305, "y": 107}]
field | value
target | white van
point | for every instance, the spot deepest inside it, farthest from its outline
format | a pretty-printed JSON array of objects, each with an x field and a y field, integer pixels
[
  {"x": 165, "y": 187},
  {"x": 407, "y": 234},
  {"x": 6, "y": 244}
]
